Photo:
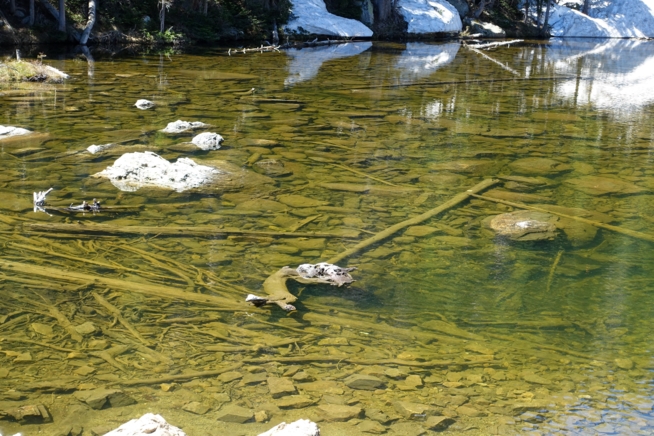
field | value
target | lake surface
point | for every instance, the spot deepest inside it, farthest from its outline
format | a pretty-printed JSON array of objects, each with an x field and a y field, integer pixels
[{"x": 445, "y": 319}]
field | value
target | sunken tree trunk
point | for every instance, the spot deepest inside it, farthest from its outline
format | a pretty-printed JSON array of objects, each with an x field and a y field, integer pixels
[{"x": 90, "y": 23}]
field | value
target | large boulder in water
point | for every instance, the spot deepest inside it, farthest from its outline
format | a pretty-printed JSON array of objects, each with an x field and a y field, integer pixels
[
  {"x": 523, "y": 225},
  {"x": 133, "y": 171}
]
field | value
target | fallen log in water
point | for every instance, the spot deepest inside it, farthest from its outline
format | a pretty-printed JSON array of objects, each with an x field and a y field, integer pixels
[
  {"x": 155, "y": 290},
  {"x": 415, "y": 220},
  {"x": 199, "y": 231}
]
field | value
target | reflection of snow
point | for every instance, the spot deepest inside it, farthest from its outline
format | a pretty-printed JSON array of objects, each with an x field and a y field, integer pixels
[
  {"x": 613, "y": 75},
  {"x": 420, "y": 60},
  {"x": 306, "y": 62}
]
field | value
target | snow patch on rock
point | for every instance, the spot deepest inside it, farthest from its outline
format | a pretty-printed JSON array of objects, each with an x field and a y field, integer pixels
[
  {"x": 430, "y": 16},
  {"x": 95, "y": 149},
  {"x": 148, "y": 424},
  {"x": 208, "y": 141},
  {"x": 301, "y": 427},
  {"x": 312, "y": 16},
  {"x": 305, "y": 63},
  {"x": 144, "y": 104},
  {"x": 180, "y": 126},
  {"x": 9, "y": 131},
  {"x": 606, "y": 19},
  {"x": 137, "y": 170}
]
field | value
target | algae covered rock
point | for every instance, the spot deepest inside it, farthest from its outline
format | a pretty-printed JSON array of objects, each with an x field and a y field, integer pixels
[
  {"x": 523, "y": 225},
  {"x": 539, "y": 166}
]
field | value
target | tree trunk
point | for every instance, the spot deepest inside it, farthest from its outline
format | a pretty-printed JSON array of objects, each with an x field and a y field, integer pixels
[
  {"x": 31, "y": 22},
  {"x": 62, "y": 15},
  {"x": 543, "y": 30},
  {"x": 527, "y": 4},
  {"x": 584, "y": 8},
  {"x": 481, "y": 7},
  {"x": 205, "y": 7},
  {"x": 162, "y": 16},
  {"x": 90, "y": 23},
  {"x": 46, "y": 4},
  {"x": 382, "y": 9}
]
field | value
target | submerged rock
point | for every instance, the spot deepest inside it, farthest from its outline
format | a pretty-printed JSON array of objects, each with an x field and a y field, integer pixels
[
  {"x": 524, "y": 225},
  {"x": 102, "y": 398},
  {"x": 596, "y": 185},
  {"x": 133, "y": 171},
  {"x": 208, "y": 141},
  {"x": 539, "y": 166},
  {"x": 180, "y": 126},
  {"x": 9, "y": 131},
  {"x": 234, "y": 413},
  {"x": 150, "y": 424},
  {"x": 311, "y": 16},
  {"x": 272, "y": 168},
  {"x": 335, "y": 412},
  {"x": 475, "y": 167}
]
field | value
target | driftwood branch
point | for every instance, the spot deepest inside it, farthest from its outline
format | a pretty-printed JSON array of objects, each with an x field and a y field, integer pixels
[{"x": 277, "y": 292}]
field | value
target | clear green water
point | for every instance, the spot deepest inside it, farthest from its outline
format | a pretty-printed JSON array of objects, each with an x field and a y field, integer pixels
[{"x": 550, "y": 337}]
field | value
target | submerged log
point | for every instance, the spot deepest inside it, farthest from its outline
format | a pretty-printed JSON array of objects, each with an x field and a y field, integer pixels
[
  {"x": 199, "y": 231},
  {"x": 481, "y": 186}
]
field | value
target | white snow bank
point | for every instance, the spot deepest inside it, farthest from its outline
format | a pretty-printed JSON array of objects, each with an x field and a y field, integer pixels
[
  {"x": 430, "y": 16},
  {"x": 311, "y": 16},
  {"x": 305, "y": 63},
  {"x": 606, "y": 19}
]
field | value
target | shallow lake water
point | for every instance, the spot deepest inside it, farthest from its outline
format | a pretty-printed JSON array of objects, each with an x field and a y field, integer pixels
[{"x": 448, "y": 327}]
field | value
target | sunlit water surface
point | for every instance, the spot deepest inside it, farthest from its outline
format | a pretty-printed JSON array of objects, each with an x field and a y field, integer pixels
[{"x": 503, "y": 337}]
